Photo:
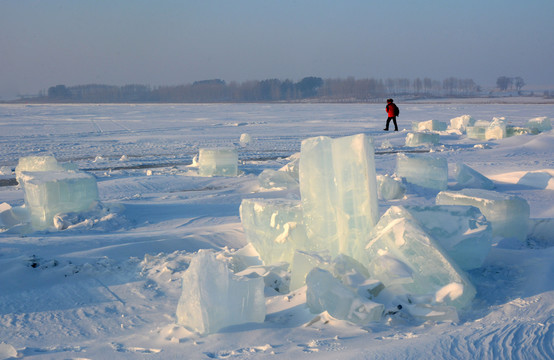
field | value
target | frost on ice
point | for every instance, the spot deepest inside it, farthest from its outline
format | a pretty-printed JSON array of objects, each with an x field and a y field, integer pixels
[
  {"x": 218, "y": 162},
  {"x": 213, "y": 297}
]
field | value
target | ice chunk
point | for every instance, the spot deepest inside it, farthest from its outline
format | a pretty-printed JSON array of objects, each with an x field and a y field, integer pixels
[
  {"x": 424, "y": 170},
  {"x": 508, "y": 214},
  {"x": 461, "y": 122},
  {"x": 339, "y": 192},
  {"x": 515, "y": 131},
  {"x": 478, "y": 130},
  {"x": 7, "y": 351},
  {"x": 462, "y": 231},
  {"x": 245, "y": 139},
  {"x": 292, "y": 167},
  {"x": 327, "y": 293},
  {"x": 270, "y": 179},
  {"x": 496, "y": 130},
  {"x": 276, "y": 276},
  {"x": 539, "y": 124},
  {"x": 403, "y": 256},
  {"x": 35, "y": 164},
  {"x": 431, "y": 125},
  {"x": 422, "y": 138},
  {"x": 213, "y": 298},
  {"x": 218, "y": 162},
  {"x": 469, "y": 178},
  {"x": 389, "y": 188},
  {"x": 542, "y": 230},
  {"x": 52, "y": 192},
  {"x": 303, "y": 262},
  {"x": 275, "y": 228},
  {"x": 538, "y": 179}
]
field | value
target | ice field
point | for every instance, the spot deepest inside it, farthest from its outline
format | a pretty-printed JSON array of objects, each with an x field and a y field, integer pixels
[{"x": 110, "y": 283}]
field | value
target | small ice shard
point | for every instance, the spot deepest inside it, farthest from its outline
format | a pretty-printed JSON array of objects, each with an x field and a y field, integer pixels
[
  {"x": 218, "y": 162},
  {"x": 326, "y": 293},
  {"x": 431, "y": 125},
  {"x": 539, "y": 124},
  {"x": 422, "y": 138},
  {"x": 461, "y": 122},
  {"x": 275, "y": 228},
  {"x": 271, "y": 179},
  {"x": 390, "y": 188},
  {"x": 424, "y": 170},
  {"x": 467, "y": 177},
  {"x": 213, "y": 297},
  {"x": 339, "y": 192},
  {"x": 462, "y": 231},
  {"x": 508, "y": 214},
  {"x": 407, "y": 259},
  {"x": 496, "y": 130},
  {"x": 245, "y": 139},
  {"x": 48, "y": 193}
]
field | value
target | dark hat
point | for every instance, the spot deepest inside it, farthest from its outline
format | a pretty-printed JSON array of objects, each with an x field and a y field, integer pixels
[{"x": 389, "y": 100}]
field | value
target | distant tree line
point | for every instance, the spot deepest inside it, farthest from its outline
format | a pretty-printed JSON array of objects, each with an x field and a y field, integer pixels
[
  {"x": 270, "y": 90},
  {"x": 504, "y": 83}
]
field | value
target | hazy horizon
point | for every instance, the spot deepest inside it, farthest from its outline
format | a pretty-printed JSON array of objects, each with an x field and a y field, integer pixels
[{"x": 45, "y": 43}]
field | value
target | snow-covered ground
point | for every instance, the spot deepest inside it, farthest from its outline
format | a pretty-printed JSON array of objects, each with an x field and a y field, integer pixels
[{"x": 109, "y": 288}]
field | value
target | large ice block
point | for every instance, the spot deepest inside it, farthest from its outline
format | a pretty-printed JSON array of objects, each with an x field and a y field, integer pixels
[
  {"x": 424, "y": 170},
  {"x": 326, "y": 293},
  {"x": 431, "y": 125},
  {"x": 218, "y": 162},
  {"x": 390, "y": 188},
  {"x": 403, "y": 256},
  {"x": 508, "y": 214},
  {"x": 496, "y": 130},
  {"x": 422, "y": 138},
  {"x": 339, "y": 192},
  {"x": 539, "y": 124},
  {"x": 469, "y": 178},
  {"x": 213, "y": 298},
  {"x": 462, "y": 231},
  {"x": 478, "y": 130},
  {"x": 35, "y": 164},
  {"x": 461, "y": 122},
  {"x": 48, "y": 193},
  {"x": 303, "y": 262},
  {"x": 275, "y": 228}
]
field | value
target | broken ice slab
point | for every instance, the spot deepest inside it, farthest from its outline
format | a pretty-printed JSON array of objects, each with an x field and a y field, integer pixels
[
  {"x": 35, "y": 164},
  {"x": 218, "y": 162},
  {"x": 48, "y": 193},
  {"x": 326, "y": 293},
  {"x": 539, "y": 124},
  {"x": 462, "y": 231},
  {"x": 535, "y": 179},
  {"x": 422, "y": 138},
  {"x": 478, "y": 130},
  {"x": 461, "y": 122},
  {"x": 213, "y": 297},
  {"x": 508, "y": 214},
  {"x": 390, "y": 188},
  {"x": 339, "y": 192},
  {"x": 407, "y": 259},
  {"x": 303, "y": 262},
  {"x": 271, "y": 179},
  {"x": 431, "y": 125},
  {"x": 467, "y": 177},
  {"x": 496, "y": 130},
  {"x": 424, "y": 170},
  {"x": 275, "y": 228}
]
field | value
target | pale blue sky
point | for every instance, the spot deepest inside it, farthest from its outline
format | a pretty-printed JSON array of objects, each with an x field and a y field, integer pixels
[{"x": 168, "y": 42}]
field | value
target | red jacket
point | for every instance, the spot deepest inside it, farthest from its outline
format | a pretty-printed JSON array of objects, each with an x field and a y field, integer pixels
[{"x": 390, "y": 109}]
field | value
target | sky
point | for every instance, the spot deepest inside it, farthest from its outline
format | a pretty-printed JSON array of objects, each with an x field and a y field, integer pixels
[{"x": 44, "y": 43}]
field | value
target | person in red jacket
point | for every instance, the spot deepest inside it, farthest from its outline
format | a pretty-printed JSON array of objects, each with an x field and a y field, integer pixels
[{"x": 392, "y": 112}]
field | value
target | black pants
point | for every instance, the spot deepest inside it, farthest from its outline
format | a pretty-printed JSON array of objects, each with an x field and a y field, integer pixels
[{"x": 394, "y": 121}]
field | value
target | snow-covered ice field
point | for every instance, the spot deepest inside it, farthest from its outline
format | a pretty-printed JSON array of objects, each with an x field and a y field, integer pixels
[{"x": 109, "y": 287}]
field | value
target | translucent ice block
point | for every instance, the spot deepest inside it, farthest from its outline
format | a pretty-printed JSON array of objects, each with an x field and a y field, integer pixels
[
  {"x": 422, "y": 138},
  {"x": 469, "y": 178},
  {"x": 339, "y": 191},
  {"x": 431, "y": 125},
  {"x": 327, "y": 293},
  {"x": 461, "y": 122},
  {"x": 303, "y": 262},
  {"x": 424, "y": 170},
  {"x": 496, "y": 130},
  {"x": 37, "y": 163},
  {"x": 213, "y": 298},
  {"x": 270, "y": 179},
  {"x": 478, "y": 130},
  {"x": 218, "y": 162},
  {"x": 53, "y": 192},
  {"x": 508, "y": 214},
  {"x": 462, "y": 231},
  {"x": 402, "y": 255},
  {"x": 275, "y": 228},
  {"x": 389, "y": 188},
  {"x": 539, "y": 124}
]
